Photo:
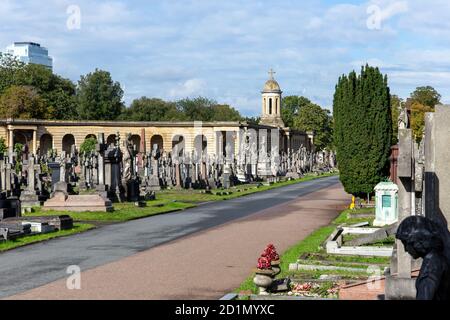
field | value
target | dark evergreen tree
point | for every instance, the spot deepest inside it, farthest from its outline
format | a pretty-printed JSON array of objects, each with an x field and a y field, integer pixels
[{"x": 362, "y": 129}]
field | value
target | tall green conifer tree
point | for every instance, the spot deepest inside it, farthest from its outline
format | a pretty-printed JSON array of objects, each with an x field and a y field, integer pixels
[{"x": 363, "y": 129}]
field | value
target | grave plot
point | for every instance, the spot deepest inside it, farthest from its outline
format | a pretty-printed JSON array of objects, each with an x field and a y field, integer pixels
[{"x": 314, "y": 273}]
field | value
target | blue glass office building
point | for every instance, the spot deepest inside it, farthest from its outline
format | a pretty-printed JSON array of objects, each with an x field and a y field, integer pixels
[{"x": 30, "y": 52}]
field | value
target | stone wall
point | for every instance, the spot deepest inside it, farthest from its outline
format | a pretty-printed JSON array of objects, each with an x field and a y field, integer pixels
[{"x": 167, "y": 130}]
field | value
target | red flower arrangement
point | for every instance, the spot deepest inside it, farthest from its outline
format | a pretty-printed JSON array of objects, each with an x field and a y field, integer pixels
[
  {"x": 264, "y": 264},
  {"x": 269, "y": 254}
]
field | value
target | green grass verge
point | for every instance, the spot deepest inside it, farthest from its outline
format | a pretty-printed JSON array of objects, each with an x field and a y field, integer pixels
[
  {"x": 122, "y": 212},
  {"x": 311, "y": 246},
  {"x": 170, "y": 201},
  {"x": 12, "y": 244},
  {"x": 344, "y": 217},
  {"x": 195, "y": 196}
]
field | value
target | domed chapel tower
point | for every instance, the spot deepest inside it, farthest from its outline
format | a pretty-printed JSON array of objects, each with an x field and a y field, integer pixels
[{"x": 272, "y": 103}]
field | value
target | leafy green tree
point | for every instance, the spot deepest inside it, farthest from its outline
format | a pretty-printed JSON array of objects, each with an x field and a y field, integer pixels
[
  {"x": 62, "y": 103},
  {"x": 362, "y": 129},
  {"x": 3, "y": 147},
  {"x": 312, "y": 117},
  {"x": 396, "y": 104},
  {"x": 422, "y": 100},
  {"x": 88, "y": 145},
  {"x": 198, "y": 109},
  {"x": 204, "y": 109},
  {"x": 291, "y": 107},
  {"x": 224, "y": 112},
  {"x": 252, "y": 120},
  {"x": 151, "y": 109},
  {"x": 10, "y": 67},
  {"x": 99, "y": 97},
  {"x": 23, "y": 102},
  {"x": 427, "y": 96},
  {"x": 418, "y": 111},
  {"x": 58, "y": 94}
]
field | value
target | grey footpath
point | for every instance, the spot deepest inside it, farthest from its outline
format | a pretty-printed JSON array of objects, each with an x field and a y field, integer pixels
[{"x": 36, "y": 265}]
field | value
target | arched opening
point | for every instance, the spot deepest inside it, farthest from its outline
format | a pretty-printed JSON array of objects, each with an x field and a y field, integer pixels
[
  {"x": 136, "y": 140},
  {"x": 45, "y": 144},
  {"x": 89, "y": 136},
  {"x": 111, "y": 139},
  {"x": 276, "y": 106},
  {"x": 178, "y": 144},
  {"x": 158, "y": 140},
  {"x": 200, "y": 144},
  {"x": 270, "y": 106},
  {"x": 24, "y": 139},
  {"x": 67, "y": 143}
]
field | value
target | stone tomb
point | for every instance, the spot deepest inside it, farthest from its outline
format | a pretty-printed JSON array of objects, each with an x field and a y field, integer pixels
[
  {"x": 10, "y": 208},
  {"x": 61, "y": 201},
  {"x": 386, "y": 204},
  {"x": 63, "y": 222}
]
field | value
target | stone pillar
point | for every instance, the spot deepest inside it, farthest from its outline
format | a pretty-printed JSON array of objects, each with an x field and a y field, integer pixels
[
  {"x": 34, "y": 142},
  {"x": 177, "y": 175},
  {"x": 11, "y": 143},
  {"x": 31, "y": 174},
  {"x": 2, "y": 174},
  {"x": 142, "y": 149},
  {"x": 431, "y": 195},
  {"x": 399, "y": 284},
  {"x": 8, "y": 171},
  {"x": 394, "y": 164},
  {"x": 438, "y": 165},
  {"x": 405, "y": 174}
]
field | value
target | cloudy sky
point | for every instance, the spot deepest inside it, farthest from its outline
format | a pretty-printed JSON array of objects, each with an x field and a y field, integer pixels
[{"x": 223, "y": 49}]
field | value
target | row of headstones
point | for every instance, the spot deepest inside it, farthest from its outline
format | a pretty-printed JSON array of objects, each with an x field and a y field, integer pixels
[
  {"x": 119, "y": 172},
  {"x": 157, "y": 169}
]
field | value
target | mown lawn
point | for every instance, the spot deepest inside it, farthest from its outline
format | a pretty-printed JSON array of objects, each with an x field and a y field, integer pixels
[
  {"x": 12, "y": 244},
  {"x": 170, "y": 201},
  {"x": 122, "y": 212},
  {"x": 195, "y": 196}
]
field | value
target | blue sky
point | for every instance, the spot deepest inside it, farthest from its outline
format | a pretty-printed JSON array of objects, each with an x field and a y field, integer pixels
[{"x": 173, "y": 49}]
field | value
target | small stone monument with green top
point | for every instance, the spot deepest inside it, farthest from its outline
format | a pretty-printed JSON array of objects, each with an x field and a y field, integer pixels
[{"x": 386, "y": 201}]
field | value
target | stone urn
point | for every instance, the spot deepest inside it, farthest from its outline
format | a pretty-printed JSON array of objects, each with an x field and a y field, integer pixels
[
  {"x": 276, "y": 267},
  {"x": 263, "y": 280}
]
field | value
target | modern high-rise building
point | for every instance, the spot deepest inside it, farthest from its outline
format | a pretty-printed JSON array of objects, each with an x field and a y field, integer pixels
[{"x": 30, "y": 52}]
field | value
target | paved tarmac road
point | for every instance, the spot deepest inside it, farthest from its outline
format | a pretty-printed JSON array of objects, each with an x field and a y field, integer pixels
[{"x": 195, "y": 254}]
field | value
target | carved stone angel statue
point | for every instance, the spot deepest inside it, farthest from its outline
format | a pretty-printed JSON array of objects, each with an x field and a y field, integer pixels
[
  {"x": 127, "y": 159},
  {"x": 403, "y": 119}
]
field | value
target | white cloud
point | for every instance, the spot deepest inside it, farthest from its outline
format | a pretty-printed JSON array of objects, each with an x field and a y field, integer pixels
[
  {"x": 223, "y": 49},
  {"x": 190, "y": 88}
]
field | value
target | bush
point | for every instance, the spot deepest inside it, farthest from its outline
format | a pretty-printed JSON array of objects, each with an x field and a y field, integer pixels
[{"x": 88, "y": 146}]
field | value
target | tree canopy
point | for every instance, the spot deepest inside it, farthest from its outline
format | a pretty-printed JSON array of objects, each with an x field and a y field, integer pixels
[
  {"x": 23, "y": 102},
  {"x": 57, "y": 93},
  {"x": 88, "y": 145},
  {"x": 150, "y": 109},
  {"x": 99, "y": 97},
  {"x": 291, "y": 107},
  {"x": 422, "y": 100},
  {"x": 197, "y": 109},
  {"x": 418, "y": 111},
  {"x": 427, "y": 96},
  {"x": 312, "y": 117},
  {"x": 396, "y": 104}
]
